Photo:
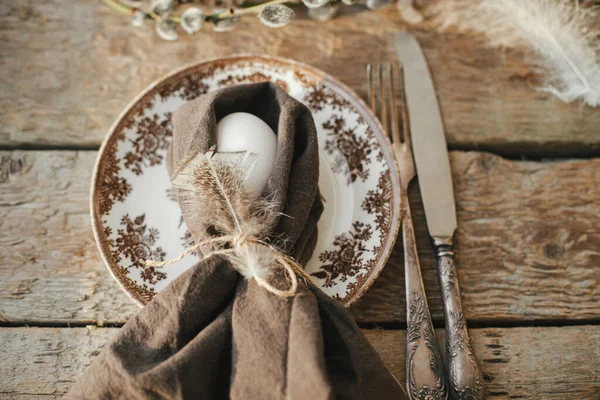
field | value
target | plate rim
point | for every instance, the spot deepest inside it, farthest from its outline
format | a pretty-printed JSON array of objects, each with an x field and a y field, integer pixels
[{"x": 395, "y": 210}]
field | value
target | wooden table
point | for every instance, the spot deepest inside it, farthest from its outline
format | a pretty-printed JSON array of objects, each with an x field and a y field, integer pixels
[{"x": 529, "y": 227}]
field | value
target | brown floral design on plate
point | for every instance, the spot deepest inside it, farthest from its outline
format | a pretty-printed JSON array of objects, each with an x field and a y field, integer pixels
[
  {"x": 359, "y": 280},
  {"x": 153, "y": 134},
  {"x": 377, "y": 202},
  {"x": 135, "y": 243},
  {"x": 255, "y": 77},
  {"x": 346, "y": 259},
  {"x": 114, "y": 188},
  {"x": 188, "y": 87},
  {"x": 354, "y": 149},
  {"x": 318, "y": 97},
  {"x": 306, "y": 79},
  {"x": 135, "y": 216}
]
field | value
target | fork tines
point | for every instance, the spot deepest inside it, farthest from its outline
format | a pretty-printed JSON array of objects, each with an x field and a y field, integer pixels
[{"x": 382, "y": 91}]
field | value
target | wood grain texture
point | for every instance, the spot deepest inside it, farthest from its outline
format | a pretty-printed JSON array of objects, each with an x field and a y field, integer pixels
[
  {"x": 42, "y": 363},
  {"x": 528, "y": 244},
  {"x": 50, "y": 266},
  {"x": 69, "y": 68},
  {"x": 518, "y": 363},
  {"x": 525, "y": 244}
]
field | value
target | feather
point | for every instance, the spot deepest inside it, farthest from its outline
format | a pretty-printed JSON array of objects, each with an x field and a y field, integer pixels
[
  {"x": 233, "y": 223},
  {"x": 559, "y": 31},
  {"x": 408, "y": 12},
  {"x": 211, "y": 190}
]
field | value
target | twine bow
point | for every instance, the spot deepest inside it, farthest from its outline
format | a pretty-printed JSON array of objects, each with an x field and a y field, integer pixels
[{"x": 238, "y": 247}]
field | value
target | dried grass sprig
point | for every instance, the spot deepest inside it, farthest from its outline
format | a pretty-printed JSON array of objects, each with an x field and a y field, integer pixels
[{"x": 563, "y": 34}]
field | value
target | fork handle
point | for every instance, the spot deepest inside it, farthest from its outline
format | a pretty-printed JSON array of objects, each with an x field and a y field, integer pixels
[
  {"x": 466, "y": 381},
  {"x": 425, "y": 376}
]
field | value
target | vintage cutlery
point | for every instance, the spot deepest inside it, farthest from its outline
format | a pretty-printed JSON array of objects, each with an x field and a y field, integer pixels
[
  {"x": 425, "y": 377},
  {"x": 435, "y": 182}
]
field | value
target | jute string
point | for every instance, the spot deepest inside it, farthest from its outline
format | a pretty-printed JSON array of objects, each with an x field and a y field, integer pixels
[{"x": 239, "y": 246}]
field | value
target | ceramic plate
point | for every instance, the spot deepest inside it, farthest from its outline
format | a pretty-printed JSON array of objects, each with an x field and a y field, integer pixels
[{"x": 135, "y": 216}]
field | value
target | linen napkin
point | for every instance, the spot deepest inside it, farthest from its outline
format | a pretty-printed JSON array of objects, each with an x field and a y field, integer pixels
[{"x": 211, "y": 334}]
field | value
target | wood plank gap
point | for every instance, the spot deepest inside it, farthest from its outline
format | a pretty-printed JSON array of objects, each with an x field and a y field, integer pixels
[
  {"x": 507, "y": 151},
  {"x": 544, "y": 152},
  {"x": 484, "y": 324},
  {"x": 49, "y": 147},
  {"x": 61, "y": 324},
  {"x": 477, "y": 324}
]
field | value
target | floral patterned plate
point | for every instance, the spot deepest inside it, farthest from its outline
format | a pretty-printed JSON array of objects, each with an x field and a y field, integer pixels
[{"x": 135, "y": 217}]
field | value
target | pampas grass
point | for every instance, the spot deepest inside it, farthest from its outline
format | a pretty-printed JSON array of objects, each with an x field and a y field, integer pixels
[{"x": 561, "y": 33}]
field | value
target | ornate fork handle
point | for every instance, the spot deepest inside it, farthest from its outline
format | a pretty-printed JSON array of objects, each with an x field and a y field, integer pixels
[
  {"x": 466, "y": 381},
  {"x": 424, "y": 368}
]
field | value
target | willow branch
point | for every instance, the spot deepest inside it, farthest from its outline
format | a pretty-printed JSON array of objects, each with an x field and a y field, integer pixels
[
  {"x": 117, "y": 5},
  {"x": 229, "y": 13},
  {"x": 237, "y": 12},
  {"x": 125, "y": 9}
]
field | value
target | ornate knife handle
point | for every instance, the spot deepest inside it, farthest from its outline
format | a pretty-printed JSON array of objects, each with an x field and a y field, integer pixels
[
  {"x": 425, "y": 376},
  {"x": 466, "y": 380}
]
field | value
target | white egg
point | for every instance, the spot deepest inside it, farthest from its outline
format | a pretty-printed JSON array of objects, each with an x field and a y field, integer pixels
[{"x": 243, "y": 133}]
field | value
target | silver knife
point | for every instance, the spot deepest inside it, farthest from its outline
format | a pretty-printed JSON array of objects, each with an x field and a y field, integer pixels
[{"x": 435, "y": 181}]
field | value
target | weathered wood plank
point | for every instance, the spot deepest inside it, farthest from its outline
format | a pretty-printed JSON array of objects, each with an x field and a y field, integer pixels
[
  {"x": 50, "y": 267},
  {"x": 69, "y": 68},
  {"x": 520, "y": 363},
  {"x": 532, "y": 363},
  {"x": 45, "y": 361},
  {"x": 528, "y": 243}
]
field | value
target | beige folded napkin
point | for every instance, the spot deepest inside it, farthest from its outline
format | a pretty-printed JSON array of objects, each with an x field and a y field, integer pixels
[{"x": 212, "y": 334}]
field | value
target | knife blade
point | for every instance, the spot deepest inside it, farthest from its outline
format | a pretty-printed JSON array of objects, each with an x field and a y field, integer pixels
[
  {"x": 435, "y": 182},
  {"x": 428, "y": 139}
]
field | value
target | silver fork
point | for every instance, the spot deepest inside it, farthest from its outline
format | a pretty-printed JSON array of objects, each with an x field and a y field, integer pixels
[{"x": 425, "y": 376}]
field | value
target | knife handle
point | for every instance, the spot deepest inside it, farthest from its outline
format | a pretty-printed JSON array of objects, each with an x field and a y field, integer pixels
[
  {"x": 425, "y": 376},
  {"x": 466, "y": 380}
]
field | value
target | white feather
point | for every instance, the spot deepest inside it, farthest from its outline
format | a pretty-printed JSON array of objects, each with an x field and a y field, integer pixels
[
  {"x": 210, "y": 190},
  {"x": 558, "y": 30}
]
